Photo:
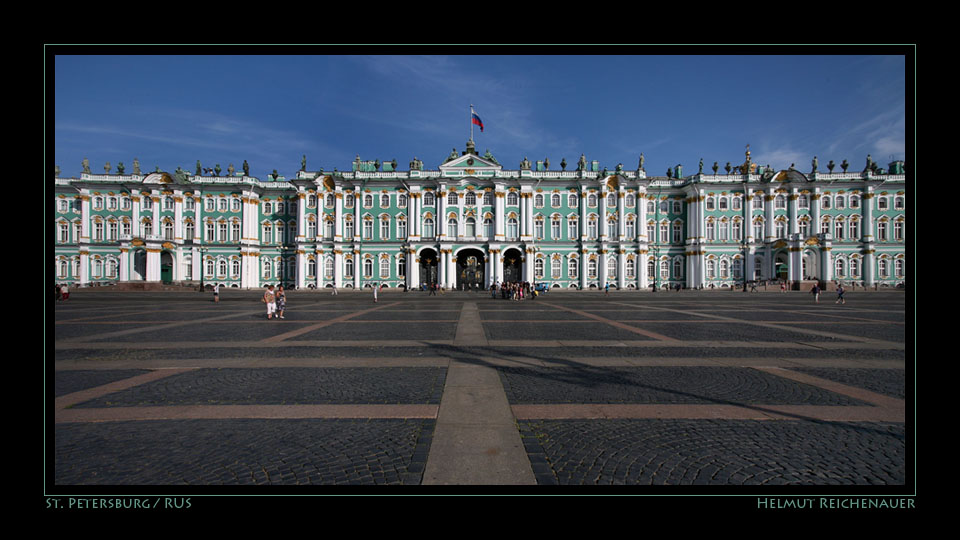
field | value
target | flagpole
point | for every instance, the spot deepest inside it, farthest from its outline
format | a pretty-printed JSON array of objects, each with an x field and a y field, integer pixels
[{"x": 471, "y": 122}]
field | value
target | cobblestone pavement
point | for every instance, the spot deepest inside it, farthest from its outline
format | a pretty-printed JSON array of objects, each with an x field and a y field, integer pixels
[
  {"x": 687, "y": 388},
  {"x": 715, "y": 452}
]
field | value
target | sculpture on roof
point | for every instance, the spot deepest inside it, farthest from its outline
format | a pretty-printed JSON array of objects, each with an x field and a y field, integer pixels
[
  {"x": 106, "y": 168},
  {"x": 136, "y": 166},
  {"x": 582, "y": 163},
  {"x": 303, "y": 163},
  {"x": 815, "y": 163},
  {"x": 86, "y": 166},
  {"x": 120, "y": 167},
  {"x": 199, "y": 168},
  {"x": 642, "y": 159},
  {"x": 246, "y": 168}
]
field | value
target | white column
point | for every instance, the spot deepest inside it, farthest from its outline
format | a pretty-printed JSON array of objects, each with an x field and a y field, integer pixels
[
  {"x": 499, "y": 217},
  {"x": 621, "y": 269},
  {"x": 413, "y": 270},
  {"x": 338, "y": 269},
  {"x": 768, "y": 215},
  {"x": 584, "y": 278},
  {"x": 621, "y": 225},
  {"x": 602, "y": 225},
  {"x": 338, "y": 219},
  {"x": 792, "y": 211},
  {"x": 866, "y": 224}
]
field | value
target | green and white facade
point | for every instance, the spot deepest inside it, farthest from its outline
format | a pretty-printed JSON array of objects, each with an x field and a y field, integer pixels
[{"x": 472, "y": 222}]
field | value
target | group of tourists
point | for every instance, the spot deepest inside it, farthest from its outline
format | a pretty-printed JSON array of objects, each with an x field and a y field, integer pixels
[
  {"x": 276, "y": 301},
  {"x": 513, "y": 290}
]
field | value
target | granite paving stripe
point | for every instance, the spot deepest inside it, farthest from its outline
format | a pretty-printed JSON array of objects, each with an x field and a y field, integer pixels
[
  {"x": 888, "y": 382},
  {"x": 72, "y": 399},
  {"x": 281, "y": 386},
  {"x": 313, "y": 327},
  {"x": 70, "y": 381},
  {"x": 153, "y": 328},
  {"x": 821, "y": 413},
  {"x": 860, "y": 394},
  {"x": 663, "y": 385},
  {"x": 221, "y": 412},
  {"x": 616, "y": 324}
]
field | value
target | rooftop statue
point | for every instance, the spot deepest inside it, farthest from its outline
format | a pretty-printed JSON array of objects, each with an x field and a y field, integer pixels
[
  {"x": 136, "y": 166},
  {"x": 86, "y": 166},
  {"x": 815, "y": 163},
  {"x": 582, "y": 164},
  {"x": 246, "y": 168}
]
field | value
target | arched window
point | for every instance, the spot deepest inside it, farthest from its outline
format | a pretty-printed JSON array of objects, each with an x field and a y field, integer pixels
[
  {"x": 452, "y": 198},
  {"x": 512, "y": 198},
  {"x": 385, "y": 228},
  {"x": 312, "y": 268},
  {"x": 428, "y": 199},
  {"x": 538, "y": 269},
  {"x": 348, "y": 268},
  {"x": 512, "y": 229},
  {"x": 555, "y": 200},
  {"x": 470, "y": 199},
  {"x": 368, "y": 267},
  {"x": 488, "y": 228},
  {"x": 611, "y": 268},
  {"x": 384, "y": 201},
  {"x": 573, "y": 268},
  {"x": 592, "y": 200},
  {"x": 328, "y": 268},
  {"x": 384, "y": 267},
  {"x": 428, "y": 228},
  {"x": 488, "y": 198},
  {"x": 471, "y": 227},
  {"x": 452, "y": 228},
  {"x": 538, "y": 200}
]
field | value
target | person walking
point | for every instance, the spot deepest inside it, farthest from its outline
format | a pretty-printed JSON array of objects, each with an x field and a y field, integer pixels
[
  {"x": 216, "y": 293},
  {"x": 270, "y": 300},
  {"x": 334, "y": 293},
  {"x": 375, "y": 289},
  {"x": 281, "y": 301},
  {"x": 840, "y": 291},
  {"x": 815, "y": 291},
  {"x": 64, "y": 292}
]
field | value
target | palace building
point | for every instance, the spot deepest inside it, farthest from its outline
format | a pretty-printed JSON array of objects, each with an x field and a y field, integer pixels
[{"x": 470, "y": 222}]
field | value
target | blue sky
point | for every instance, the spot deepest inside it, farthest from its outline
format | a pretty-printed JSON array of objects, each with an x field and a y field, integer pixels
[{"x": 171, "y": 111}]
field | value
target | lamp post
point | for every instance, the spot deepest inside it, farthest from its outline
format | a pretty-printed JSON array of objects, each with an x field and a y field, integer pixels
[{"x": 202, "y": 250}]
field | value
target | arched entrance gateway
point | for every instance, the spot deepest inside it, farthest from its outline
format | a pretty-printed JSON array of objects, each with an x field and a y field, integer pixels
[
  {"x": 470, "y": 269},
  {"x": 429, "y": 264},
  {"x": 166, "y": 267},
  {"x": 512, "y": 259}
]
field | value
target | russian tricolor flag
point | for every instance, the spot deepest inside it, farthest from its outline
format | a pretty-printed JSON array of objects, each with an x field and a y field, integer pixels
[{"x": 476, "y": 120}]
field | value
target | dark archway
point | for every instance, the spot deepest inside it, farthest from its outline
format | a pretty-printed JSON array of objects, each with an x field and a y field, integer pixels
[
  {"x": 512, "y": 265},
  {"x": 470, "y": 269},
  {"x": 139, "y": 266},
  {"x": 429, "y": 265},
  {"x": 166, "y": 267}
]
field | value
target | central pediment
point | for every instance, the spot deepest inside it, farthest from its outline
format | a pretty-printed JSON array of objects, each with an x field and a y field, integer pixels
[{"x": 470, "y": 162}]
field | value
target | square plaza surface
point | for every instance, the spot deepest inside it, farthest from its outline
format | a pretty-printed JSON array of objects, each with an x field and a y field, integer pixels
[{"x": 584, "y": 388}]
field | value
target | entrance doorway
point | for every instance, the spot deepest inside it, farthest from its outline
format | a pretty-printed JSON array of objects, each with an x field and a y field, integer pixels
[
  {"x": 470, "y": 269},
  {"x": 166, "y": 267},
  {"x": 780, "y": 266},
  {"x": 139, "y": 265},
  {"x": 429, "y": 265},
  {"x": 512, "y": 259}
]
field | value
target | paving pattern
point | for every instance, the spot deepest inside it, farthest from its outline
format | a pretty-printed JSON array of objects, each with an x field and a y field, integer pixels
[{"x": 690, "y": 388}]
